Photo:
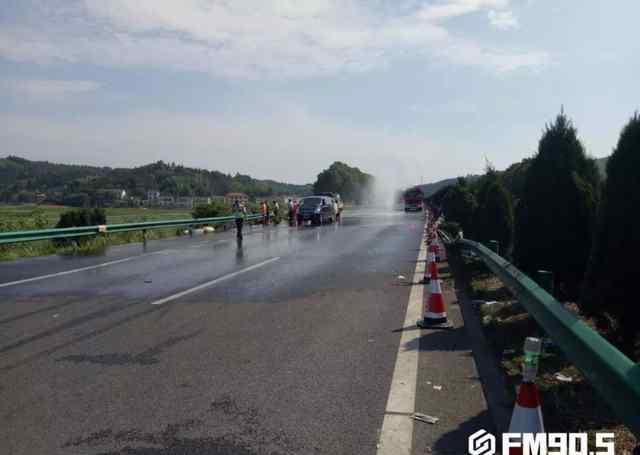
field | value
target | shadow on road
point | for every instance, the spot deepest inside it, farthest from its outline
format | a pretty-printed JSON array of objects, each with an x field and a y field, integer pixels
[
  {"x": 455, "y": 441},
  {"x": 454, "y": 339}
]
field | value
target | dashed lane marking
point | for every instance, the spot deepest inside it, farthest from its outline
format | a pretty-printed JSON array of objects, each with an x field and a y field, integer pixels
[{"x": 213, "y": 282}]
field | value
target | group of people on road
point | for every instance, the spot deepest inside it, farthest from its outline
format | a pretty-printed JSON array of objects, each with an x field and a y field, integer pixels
[{"x": 270, "y": 213}]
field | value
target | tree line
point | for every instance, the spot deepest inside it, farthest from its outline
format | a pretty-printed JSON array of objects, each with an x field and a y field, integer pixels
[
  {"x": 21, "y": 180},
  {"x": 555, "y": 212},
  {"x": 351, "y": 183}
]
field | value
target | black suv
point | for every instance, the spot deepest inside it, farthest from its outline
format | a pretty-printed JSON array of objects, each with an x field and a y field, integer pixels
[{"x": 317, "y": 209}]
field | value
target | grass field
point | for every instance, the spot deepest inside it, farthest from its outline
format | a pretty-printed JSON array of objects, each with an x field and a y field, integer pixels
[{"x": 31, "y": 216}]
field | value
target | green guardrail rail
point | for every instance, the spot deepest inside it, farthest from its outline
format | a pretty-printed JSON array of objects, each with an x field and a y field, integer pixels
[
  {"x": 610, "y": 372},
  {"x": 83, "y": 231}
]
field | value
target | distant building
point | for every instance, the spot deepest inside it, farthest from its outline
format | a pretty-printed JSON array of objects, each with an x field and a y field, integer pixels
[
  {"x": 165, "y": 201},
  {"x": 183, "y": 202},
  {"x": 230, "y": 198}
]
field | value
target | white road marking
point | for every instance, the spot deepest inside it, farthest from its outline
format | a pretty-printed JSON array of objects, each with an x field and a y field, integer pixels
[
  {"x": 93, "y": 267},
  {"x": 213, "y": 282},
  {"x": 66, "y": 272},
  {"x": 396, "y": 435}
]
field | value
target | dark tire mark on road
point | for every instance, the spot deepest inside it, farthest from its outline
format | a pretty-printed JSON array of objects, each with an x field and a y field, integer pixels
[
  {"x": 241, "y": 435},
  {"x": 148, "y": 357}
]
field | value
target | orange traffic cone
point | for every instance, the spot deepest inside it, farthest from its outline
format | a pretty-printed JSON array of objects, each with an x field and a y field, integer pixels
[
  {"x": 430, "y": 269},
  {"x": 433, "y": 268},
  {"x": 426, "y": 279},
  {"x": 434, "y": 315},
  {"x": 527, "y": 413}
]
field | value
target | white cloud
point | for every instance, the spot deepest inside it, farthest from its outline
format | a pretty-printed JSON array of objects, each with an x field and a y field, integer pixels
[
  {"x": 503, "y": 20},
  {"x": 453, "y": 8},
  {"x": 250, "y": 38},
  {"x": 46, "y": 89}
]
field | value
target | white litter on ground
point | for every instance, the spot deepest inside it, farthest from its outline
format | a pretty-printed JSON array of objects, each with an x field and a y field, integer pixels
[
  {"x": 425, "y": 418},
  {"x": 562, "y": 378}
]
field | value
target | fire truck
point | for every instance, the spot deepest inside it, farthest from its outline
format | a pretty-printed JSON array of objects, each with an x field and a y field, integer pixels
[{"x": 413, "y": 200}]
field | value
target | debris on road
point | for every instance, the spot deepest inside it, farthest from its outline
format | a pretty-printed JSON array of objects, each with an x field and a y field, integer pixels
[
  {"x": 562, "y": 378},
  {"x": 425, "y": 418},
  {"x": 483, "y": 302}
]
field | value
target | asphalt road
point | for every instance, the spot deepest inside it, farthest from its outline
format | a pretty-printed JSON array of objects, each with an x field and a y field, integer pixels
[{"x": 283, "y": 345}]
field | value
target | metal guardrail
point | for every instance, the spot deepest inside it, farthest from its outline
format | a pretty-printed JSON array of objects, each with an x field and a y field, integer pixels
[
  {"x": 611, "y": 373},
  {"x": 444, "y": 236},
  {"x": 84, "y": 231}
]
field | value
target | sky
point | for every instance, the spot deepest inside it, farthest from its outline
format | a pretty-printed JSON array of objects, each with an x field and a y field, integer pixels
[{"x": 409, "y": 90}]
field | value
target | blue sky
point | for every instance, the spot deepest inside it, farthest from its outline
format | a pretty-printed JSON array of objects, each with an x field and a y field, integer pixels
[{"x": 408, "y": 90}]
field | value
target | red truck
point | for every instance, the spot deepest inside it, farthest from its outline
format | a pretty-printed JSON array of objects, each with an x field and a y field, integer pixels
[{"x": 413, "y": 200}]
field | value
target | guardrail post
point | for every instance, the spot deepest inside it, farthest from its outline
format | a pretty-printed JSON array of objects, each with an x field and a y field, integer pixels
[
  {"x": 545, "y": 280},
  {"x": 494, "y": 246}
]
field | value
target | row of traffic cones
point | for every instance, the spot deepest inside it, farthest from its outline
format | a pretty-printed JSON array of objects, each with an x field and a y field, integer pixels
[
  {"x": 527, "y": 412},
  {"x": 434, "y": 314}
]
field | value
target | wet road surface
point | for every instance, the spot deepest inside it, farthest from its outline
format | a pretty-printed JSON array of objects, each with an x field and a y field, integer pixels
[{"x": 283, "y": 345}]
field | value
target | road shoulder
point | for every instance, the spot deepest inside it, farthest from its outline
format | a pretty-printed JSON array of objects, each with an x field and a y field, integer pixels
[{"x": 449, "y": 386}]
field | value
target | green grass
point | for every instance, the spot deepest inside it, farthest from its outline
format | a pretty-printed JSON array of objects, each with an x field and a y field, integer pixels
[{"x": 32, "y": 216}]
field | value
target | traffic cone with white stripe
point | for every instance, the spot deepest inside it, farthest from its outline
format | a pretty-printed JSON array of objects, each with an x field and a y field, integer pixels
[
  {"x": 430, "y": 269},
  {"x": 433, "y": 268},
  {"x": 435, "y": 316},
  {"x": 527, "y": 413},
  {"x": 426, "y": 279}
]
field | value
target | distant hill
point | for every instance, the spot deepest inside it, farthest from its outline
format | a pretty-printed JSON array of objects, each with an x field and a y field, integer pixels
[
  {"x": 23, "y": 180},
  {"x": 513, "y": 178},
  {"x": 431, "y": 188}
]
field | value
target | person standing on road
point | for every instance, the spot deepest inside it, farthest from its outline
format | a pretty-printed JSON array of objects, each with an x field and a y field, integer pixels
[
  {"x": 240, "y": 213},
  {"x": 276, "y": 212},
  {"x": 291, "y": 212},
  {"x": 265, "y": 213},
  {"x": 296, "y": 208}
]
